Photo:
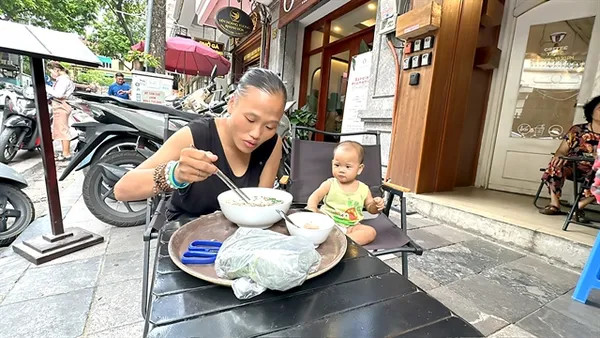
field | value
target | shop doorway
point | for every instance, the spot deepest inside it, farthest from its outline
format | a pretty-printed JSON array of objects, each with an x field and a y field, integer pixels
[
  {"x": 329, "y": 45},
  {"x": 551, "y": 73}
]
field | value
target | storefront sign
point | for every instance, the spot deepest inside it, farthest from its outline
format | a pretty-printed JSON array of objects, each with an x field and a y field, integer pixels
[
  {"x": 150, "y": 87},
  {"x": 216, "y": 46},
  {"x": 357, "y": 94},
  {"x": 234, "y": 22},
  {"x": 252, "y": 55},
  {"x": 291, "y": 9}
]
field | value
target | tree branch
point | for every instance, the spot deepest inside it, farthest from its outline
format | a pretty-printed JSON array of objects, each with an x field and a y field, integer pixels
[{"x": 117, "y": 9}]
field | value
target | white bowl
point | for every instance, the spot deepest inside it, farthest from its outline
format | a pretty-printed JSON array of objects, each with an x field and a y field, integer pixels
[
  {"x": 254, "y": 216},
  {"x": 317, "y": 236}
]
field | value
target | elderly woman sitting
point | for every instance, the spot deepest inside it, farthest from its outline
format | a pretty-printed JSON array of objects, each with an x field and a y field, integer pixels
[{"x": 579, "y": 141}]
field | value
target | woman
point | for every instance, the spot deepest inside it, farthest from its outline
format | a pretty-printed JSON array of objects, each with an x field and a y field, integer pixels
[
  {"x": 61, "y": 90},
  {"x": 579, "y": 141},
  {"x": 245, "y": 146}
]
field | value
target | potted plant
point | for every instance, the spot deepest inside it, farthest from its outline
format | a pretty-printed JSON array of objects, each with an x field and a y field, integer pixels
[
  {"x": 304, "y": 117},
  {"x": 139, "y": 59}
]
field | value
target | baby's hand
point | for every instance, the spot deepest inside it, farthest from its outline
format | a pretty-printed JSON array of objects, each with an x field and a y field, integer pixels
[{"x": 379, "y": 203}]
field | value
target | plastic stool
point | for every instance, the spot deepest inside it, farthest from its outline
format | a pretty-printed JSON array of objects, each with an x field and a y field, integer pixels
[{"x": 590, "y": 276}]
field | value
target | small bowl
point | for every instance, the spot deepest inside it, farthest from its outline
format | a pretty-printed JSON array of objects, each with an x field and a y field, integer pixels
[
  {"x": 317, "y": 236},
  {"x": 254, "y": 216}
]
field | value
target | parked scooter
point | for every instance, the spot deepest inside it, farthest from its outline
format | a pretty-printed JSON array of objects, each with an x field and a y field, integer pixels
[
  {"x": 16, "y": 208},
  {"x": 20, "y": 127}
]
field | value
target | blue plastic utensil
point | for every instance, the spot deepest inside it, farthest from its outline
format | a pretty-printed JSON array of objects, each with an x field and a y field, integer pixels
[{"x": 201, "y": 252}]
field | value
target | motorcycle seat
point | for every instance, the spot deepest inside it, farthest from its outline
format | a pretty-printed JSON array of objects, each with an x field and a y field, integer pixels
[{"x": 157, "y": 108}]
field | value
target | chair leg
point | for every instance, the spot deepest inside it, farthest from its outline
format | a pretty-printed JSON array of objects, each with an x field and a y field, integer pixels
[
  {"x": 573, "y": 210},
  {"x": 145, "y": 273}
]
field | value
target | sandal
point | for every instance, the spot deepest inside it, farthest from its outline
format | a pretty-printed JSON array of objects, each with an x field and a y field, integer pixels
[
  {"x": 62, "y": 158},
  {"x": 551, "y": 210}
]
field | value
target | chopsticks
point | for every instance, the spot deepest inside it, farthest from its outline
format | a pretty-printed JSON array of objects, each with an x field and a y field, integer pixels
[
  {"x": 229, "y": 183},
  {"x": 233, "y": 187}
]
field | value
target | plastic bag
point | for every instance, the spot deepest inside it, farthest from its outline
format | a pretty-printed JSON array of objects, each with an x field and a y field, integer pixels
[{"x": 262, "y": 259}]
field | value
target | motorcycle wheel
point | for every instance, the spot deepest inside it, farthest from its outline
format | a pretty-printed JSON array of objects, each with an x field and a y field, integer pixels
[
  {"x": 19, "y": 202},
  {"x": 110, "y": 147},
  {"x": 8, "y": 144},
  {"x": 99, "y": 198}
]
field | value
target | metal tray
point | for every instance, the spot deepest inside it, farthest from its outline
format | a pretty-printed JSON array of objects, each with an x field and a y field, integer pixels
[{"x": 216, "y": 227}]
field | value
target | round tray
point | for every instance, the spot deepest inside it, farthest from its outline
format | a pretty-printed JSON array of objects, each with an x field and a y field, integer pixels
[{"x": 216, "y": 227}]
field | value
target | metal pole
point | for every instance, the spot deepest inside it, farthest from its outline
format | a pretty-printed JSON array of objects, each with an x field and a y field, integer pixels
[
  {"x": 148, "y": 26},
  {"x": 43, "y": 115}
]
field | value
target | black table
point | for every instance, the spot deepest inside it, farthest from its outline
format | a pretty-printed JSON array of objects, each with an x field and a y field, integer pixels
[{"x": 360, "y": 297}]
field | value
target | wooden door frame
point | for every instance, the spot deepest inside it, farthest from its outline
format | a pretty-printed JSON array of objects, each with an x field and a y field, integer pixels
[
  {"x": 352, "y": 45},
  {"x": 307, "y": 52}
]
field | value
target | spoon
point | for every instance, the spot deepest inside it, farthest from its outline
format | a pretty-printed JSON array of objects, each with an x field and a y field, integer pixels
[{"x": 282, "y": 214}]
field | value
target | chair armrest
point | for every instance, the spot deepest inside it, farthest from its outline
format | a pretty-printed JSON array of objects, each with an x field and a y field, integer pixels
[
  {"x": 394, "y": 188},
  {"x": 284, "y": 180}
]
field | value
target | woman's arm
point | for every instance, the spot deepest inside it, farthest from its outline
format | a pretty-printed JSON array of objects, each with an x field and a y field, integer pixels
[
  {"x": 138, "y": 184},
  {"x": 194, "y": 166},
  {"x": 317, "y": 196},
  {"x": 267, "y": 177},
  {"x": 563, "y": 150}
]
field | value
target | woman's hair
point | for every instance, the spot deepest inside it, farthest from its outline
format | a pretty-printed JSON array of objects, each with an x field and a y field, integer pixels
[
  {"x": 55, "y": 65},
  {"x": 263, "y": 79},
  {"x": 588, "y": 109}
]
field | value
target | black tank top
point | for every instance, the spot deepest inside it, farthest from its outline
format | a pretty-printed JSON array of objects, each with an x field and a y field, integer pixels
[{"x": 200, "y": 198}]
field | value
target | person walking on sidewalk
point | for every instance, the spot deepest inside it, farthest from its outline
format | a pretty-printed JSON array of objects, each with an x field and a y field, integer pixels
[{"x": 61, "y": 90}]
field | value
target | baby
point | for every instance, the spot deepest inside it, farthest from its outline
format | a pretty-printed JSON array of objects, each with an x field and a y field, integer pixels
[{"x": 345, "y": 196}]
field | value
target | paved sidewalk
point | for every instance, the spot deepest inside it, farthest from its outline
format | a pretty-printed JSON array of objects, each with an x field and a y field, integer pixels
[
  {"x": 96, "y": 292},
  {"x": 501, "y": 291}
]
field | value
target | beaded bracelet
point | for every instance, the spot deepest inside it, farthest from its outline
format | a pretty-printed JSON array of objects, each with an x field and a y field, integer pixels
[{"x": 160, "y": 181}]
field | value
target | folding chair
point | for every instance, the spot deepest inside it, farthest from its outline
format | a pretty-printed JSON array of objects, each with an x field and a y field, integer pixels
[{"x": 311, "y": 165}]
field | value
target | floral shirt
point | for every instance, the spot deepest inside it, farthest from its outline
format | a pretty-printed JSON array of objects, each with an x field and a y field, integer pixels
[{"x": 581, "y": 141}]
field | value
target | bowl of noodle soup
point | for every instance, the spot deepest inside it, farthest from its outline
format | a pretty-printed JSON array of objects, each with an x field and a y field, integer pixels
[{"x": 262, "y": 213}]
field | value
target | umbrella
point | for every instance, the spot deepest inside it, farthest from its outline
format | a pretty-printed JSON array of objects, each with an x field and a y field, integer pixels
[{"x": 190, "y": 57}]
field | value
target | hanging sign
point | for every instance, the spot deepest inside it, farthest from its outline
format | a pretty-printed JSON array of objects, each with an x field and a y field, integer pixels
[
  {"x": 291, "y": 9},
  {"x": 234, "y": 22}
]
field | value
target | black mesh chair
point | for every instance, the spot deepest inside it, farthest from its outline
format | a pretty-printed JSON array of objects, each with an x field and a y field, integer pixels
[{"x": 311, "y": 165}]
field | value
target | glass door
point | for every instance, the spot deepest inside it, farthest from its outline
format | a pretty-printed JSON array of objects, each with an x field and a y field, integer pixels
[{"x": 552, "y": 69}]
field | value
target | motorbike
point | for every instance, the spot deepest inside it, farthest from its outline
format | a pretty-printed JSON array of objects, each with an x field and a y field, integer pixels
[
  {"x": 16, "y": 208},
  {"x": 20, "y": 127}
]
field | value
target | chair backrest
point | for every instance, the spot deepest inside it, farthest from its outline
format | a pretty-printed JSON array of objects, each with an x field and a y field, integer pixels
[{"x": 311, "y": 165}]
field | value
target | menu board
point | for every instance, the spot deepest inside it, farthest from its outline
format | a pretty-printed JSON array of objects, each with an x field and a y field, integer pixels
[{"x": 150, "y": 87}]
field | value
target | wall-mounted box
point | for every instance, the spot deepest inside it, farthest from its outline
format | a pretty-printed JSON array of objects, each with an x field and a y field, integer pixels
[{"x": 419, "y": 21}]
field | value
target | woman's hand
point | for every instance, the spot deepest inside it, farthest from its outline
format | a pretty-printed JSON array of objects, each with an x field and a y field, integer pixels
[
  {"x": 195, "y": 165},
  {"x": 557, "y": 161}
]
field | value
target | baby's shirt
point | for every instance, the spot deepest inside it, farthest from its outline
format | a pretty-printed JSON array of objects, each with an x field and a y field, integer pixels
[{"x": 346, "y": 208}]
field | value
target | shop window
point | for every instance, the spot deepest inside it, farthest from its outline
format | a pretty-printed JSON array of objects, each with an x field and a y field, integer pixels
[
  {"x": 316, "y": 38},
  {"x": 314, "y": 82},
  {"x": 354, "y": 21}
]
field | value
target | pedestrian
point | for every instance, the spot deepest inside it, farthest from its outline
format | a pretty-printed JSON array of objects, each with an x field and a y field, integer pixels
[
  {"x": 61, "y": 90},
  {"x": 120, "y": 88}
]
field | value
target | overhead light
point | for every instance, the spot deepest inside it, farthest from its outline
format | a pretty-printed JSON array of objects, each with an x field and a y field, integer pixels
[
  {"x": 372, "y": 6},
  {"x": 337, "y": 29}
]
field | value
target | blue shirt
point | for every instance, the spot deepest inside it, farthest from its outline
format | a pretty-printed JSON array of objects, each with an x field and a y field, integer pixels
[{"x": 115, "y": 87}]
